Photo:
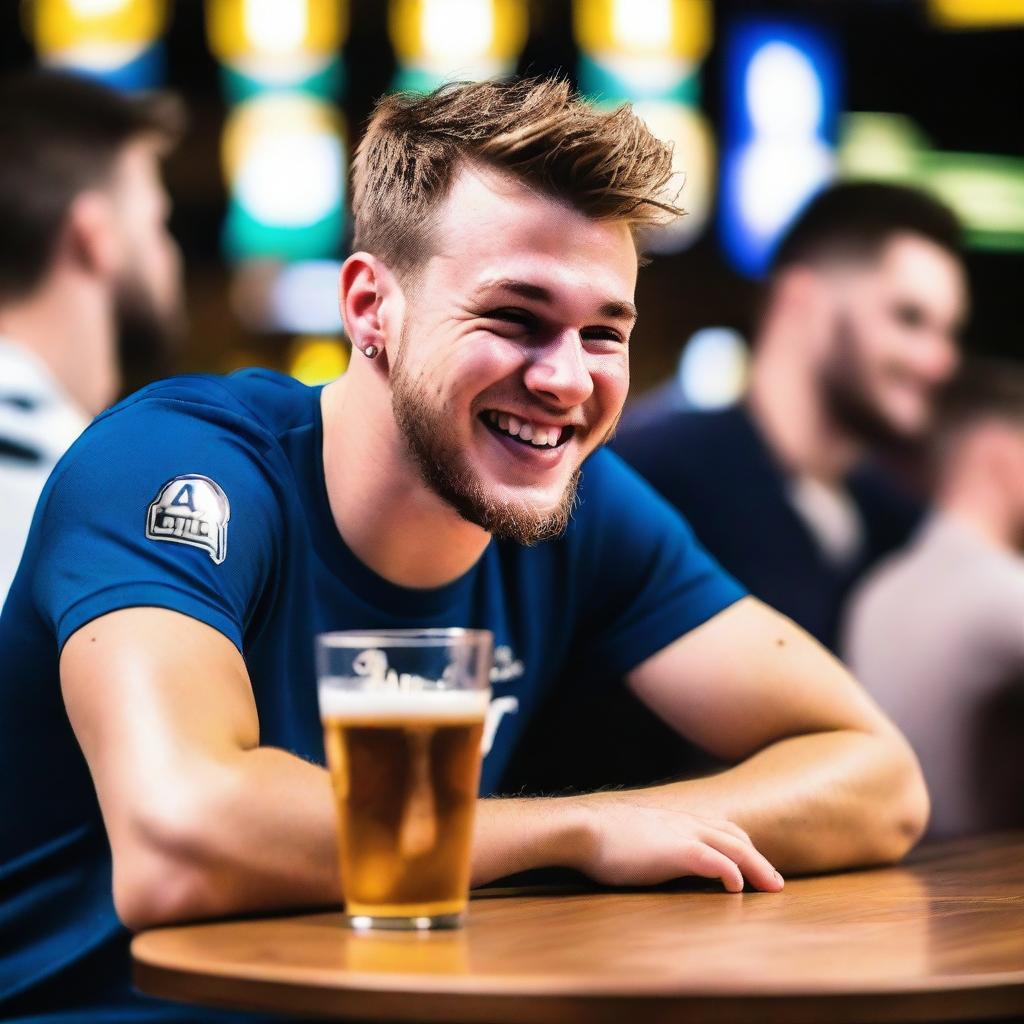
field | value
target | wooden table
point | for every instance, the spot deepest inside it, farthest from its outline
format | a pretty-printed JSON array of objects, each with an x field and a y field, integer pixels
[{"x": 940, "y": 938}]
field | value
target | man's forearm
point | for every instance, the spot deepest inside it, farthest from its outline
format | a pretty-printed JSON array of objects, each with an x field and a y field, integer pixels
[
  {"x": 264, "y": 836},
  {"x": 818, "y": 802},
  {"x": 514, "y": 835}
]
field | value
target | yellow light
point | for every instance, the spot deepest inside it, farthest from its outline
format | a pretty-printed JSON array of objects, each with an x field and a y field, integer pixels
[
  {"x": 644, "y": 28},
  {"x": 315, "y": 360},
  {"x": 58, "y": 25},
  {"x": 237, "y": 29},
  {"x": 281, "y": 117},
  {"x": 976, "y": 13},
  {"x": 273, "y": 27},
  {"x": 642, "y": 24},
  {"x": 431, "y": 32}
]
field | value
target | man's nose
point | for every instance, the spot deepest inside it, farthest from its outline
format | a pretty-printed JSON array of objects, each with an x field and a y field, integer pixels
[{"x": 558, "y": 372}]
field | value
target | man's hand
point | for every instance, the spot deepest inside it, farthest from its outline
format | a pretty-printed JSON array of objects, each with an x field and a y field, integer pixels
[
  {"x": 628, "y": 842},
  {"x": 822, "y": 779},
  {"x": 620, "y": 838}
]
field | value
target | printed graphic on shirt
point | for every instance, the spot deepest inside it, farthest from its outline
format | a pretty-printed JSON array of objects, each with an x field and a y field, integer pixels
[
  {"x": 506, "y": 668},
  {"x": 193, "y": 510},
  {"x": 506, "y": 665}
]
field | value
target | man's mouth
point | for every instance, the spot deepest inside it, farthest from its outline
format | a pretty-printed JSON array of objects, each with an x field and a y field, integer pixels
[{"x": 531, "y": 433}]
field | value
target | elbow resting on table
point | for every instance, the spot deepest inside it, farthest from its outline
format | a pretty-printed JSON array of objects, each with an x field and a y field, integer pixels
[
  {"x": 908, "y": 811},
  {"x": 166, "y": 866}
]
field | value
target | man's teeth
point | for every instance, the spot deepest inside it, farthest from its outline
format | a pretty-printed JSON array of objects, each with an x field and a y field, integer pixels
[{"x": 539, "y": 437}]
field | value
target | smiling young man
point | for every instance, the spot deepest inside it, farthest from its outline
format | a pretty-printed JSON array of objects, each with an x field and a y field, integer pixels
[{"x": 160, "y": 711}]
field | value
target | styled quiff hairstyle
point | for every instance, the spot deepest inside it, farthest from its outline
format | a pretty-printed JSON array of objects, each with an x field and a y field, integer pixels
[{"x": 606, "y": 164}]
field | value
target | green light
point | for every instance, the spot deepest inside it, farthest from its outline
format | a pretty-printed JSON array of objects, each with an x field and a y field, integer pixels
[
  {"x": 245, "y": 237},
  {"x": 985, "y": 190},
  {"x": 323, "y": 79},
  {"x": 619, "y": 80}
]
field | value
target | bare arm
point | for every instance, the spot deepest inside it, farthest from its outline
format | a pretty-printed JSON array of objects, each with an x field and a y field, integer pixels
[
  {"x": 202, "y": 821},
  {"x": 822, "y": 780}
]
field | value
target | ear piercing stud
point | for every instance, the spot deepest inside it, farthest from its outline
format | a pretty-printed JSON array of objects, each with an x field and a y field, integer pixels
[{"x": 370, "y": 351}]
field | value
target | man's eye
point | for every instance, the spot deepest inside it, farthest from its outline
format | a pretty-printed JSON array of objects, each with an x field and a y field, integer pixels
[
  {"x": 909, "y": 316},
  {"x": 519, "y": 317},
  {"x": 602, "y": 334}
]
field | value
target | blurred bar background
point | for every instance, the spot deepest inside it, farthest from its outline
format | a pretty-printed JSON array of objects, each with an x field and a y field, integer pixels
[{"x": 765, "y": 102}]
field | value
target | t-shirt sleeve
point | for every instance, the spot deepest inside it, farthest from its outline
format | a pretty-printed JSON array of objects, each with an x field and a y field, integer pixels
[
  {"x": 649, "y": 579},
  {"x": 160, "y": 504}
]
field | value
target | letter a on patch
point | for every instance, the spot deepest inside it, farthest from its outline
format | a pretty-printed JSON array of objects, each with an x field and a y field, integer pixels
[{"x": 192, "y": 510}]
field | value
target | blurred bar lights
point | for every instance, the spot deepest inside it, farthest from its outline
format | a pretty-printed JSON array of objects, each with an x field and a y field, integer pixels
[
  {"x": 116, "y": 41},
  {"x": 986, "y": 190},
  {"x": 650, "y": 52},
  {"x": 467, "y": 40},
  {"x": 713, "y": 368},
  {"x": 284, "y": 154},
  {"x": 976, "y": 14},
  {"x": 781, "y": 122}
]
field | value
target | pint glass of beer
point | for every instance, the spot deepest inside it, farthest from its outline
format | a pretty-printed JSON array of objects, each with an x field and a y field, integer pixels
[{"x": 403, "y": 715}]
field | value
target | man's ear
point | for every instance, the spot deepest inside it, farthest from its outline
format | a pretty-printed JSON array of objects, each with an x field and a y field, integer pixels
[
  {"x": 89, "y": 237},
  {"x": 809, "y": 297},
  {"x": 369, "y": 296}
]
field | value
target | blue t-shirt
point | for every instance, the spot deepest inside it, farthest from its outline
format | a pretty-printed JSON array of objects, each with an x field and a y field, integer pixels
[{"x": 265, "y": 565}]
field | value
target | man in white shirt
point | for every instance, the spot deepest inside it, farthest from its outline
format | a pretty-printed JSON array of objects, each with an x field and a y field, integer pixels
[
  {"x": 936, "y": 634},
  {"x": 87, "y": 269}
]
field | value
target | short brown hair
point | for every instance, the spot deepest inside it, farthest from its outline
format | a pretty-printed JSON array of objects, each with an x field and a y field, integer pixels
[
  {"x": 854, "y": 220},
  {"x": 606, "y": 164},
  {"x": 60, "y": 135}
]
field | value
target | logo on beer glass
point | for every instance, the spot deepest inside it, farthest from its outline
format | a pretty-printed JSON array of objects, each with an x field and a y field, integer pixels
[{"x": 372, "y": 665}]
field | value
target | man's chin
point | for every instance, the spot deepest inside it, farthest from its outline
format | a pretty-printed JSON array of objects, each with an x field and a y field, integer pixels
[{"x": 523, "y": 515}]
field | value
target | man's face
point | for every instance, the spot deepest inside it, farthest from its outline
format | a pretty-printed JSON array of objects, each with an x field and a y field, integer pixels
[
  {"x": 894, "y": 339},
  {"x": 148, "y": 291},
  {"x": 512, "y": 363}
]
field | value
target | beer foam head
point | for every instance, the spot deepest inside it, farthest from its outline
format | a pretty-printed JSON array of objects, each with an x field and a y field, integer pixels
[{"x": 339, "y": 702}]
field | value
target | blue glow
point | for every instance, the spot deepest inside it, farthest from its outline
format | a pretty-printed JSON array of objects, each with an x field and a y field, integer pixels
[
  {"x": 781, "y": 120},
  {"x": 145, "y": 69}
]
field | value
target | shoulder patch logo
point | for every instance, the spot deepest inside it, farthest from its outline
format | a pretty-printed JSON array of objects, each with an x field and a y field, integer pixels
[{"x": 193, "y": 510}]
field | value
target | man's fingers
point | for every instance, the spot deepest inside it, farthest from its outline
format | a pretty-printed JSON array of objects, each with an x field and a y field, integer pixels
[
  {"x": 707, "y": 862},
  {"x": 749, "y": 860}
]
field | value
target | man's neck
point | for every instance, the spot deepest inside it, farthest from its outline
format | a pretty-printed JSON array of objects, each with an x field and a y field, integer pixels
[
  {"x": 386, "y": 515},
  {"x": 982, "y": 508},
  {"x": 789, "y": 412},
  {"x": 69, "y": 329}
]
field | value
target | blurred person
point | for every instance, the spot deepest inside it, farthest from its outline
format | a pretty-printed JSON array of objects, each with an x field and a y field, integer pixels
[
  {"x": 936, "y": 632},
  {"x": 864, "y": 302},
  {"x": 88, "y": 270},
  {"x": 159, "y": 635}
]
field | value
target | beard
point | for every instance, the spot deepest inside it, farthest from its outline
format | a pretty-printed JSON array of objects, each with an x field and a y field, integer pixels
[
  {"x": 147, "y": 338},
  {"x": 442, "y": 464},
  {"x": 846, "y": 386}
]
